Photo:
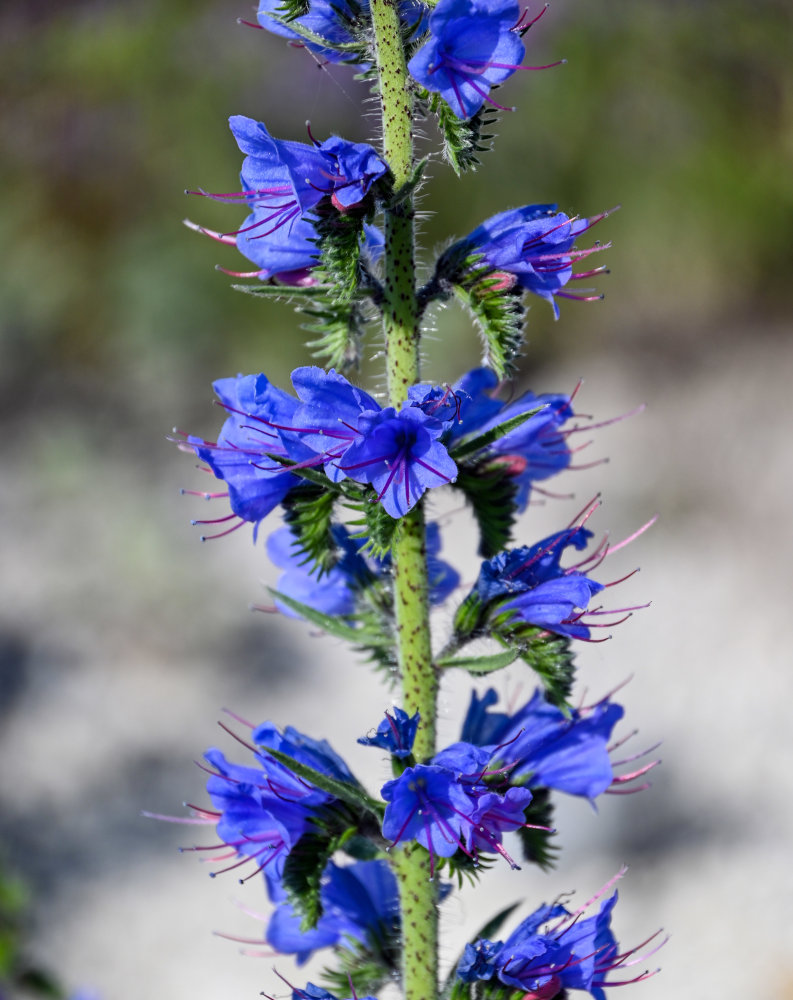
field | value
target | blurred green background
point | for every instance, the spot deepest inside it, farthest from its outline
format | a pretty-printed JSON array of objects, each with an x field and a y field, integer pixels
[
  {"x": 120, "y": 635},
  {"x": 680, "y": 111}
]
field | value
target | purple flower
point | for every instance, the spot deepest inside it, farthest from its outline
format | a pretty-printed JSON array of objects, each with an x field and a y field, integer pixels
[
  {"x": 360, "y": 902},
  {"x": 535, "y": 245},
  {"x": 262, "y": 810},
  {"x": 472, "y": 46},
  {"x": 447, "y": 805},
  {"x": 544, "y": 748},
  {"x": 395, "y": 733}
]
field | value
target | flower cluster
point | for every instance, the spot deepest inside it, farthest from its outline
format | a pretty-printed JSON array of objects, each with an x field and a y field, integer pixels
[
  {"x": 270, "y": 436},
  {"x": 359, "y": 550}
]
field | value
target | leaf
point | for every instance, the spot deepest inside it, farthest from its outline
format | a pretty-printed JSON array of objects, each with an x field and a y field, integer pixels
[
  {"x": 329, "y": 623},
  {"x": 469, "y": 446},
  {"x": 352, "y": 795},
  {"x": 481, "y": 664},
  {"x": 285, "y": 292},
  {"x": 490, "y": 489}
]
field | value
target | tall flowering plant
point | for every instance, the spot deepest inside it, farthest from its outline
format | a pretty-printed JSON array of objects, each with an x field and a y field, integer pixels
[{"x": 329, "y": 225}]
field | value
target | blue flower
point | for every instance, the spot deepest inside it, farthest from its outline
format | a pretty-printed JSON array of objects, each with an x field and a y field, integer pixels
[
  {"x": 395, "y": 733},
  {"x": 530, "y": 583},
  {"x": 264, "y": 809},
  {"x": 472, "y": 46},
  {"x": 292, "y": 178},
  {"x": 544, "y": 748},
  {"x": 535, "y": 245},
  {"x": 552, "y": 951},
  {"x": 256, "y": 427},
  {"x": 398, "y": 452},
  {"x": 336, "y": 425},
  {"x": 575, "y": 954},
  {"x": 360, "y": 902},
  {"x": 446, "y": 805},
  {"x": 283, "y": 184},
  {"x": 534, "y": 451},
  {"x": 312, "y": 992}
]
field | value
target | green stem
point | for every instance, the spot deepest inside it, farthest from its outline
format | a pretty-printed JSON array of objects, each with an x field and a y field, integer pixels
[{"x": 418, "y": 895}]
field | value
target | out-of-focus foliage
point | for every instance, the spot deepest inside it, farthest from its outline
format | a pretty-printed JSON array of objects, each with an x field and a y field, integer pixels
[{"x": 683, "y": 112}]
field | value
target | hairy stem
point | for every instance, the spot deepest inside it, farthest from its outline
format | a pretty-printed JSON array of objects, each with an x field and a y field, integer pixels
[{"x": 418, "y": 895}]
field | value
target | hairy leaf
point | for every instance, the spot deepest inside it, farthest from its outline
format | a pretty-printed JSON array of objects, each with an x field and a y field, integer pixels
[
  {"x": 331, "y": 624},
  {"x": 352, "y": 795},
  {"x": 479, "y": 665},
  {"x": 490, "y": 490},
  {"x": 469, "y": 446}
]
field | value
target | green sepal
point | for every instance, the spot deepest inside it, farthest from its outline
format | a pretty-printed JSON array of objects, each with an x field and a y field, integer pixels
[
  {"x": 469, "y": 446},
  {"x": 350, "y": 794},
  {"x": 537, "y": 846},
  {"x": 339, "y": 243},
  {"x": 308, "y": 511},
  {"x": 498, "y": 313},
  {"x": 340, "y": 328},
  {"x": 376, "y": 526},
  {"x": 490, "y": 489},
  {"x": 355, "y": 51},
  {"x": 480, "y": 665},
  {"x": 488, "y": 931},
  {"x": 464, "y": 867},
  {"x": 468, "y": 619},
  {"x": 303, "y": 869},
  {"x": 549, "y": 656},
  {"x": 331, "y": 624},
  {"x": 464, "y": 139},
  {"x": 289, "y": 10}
]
